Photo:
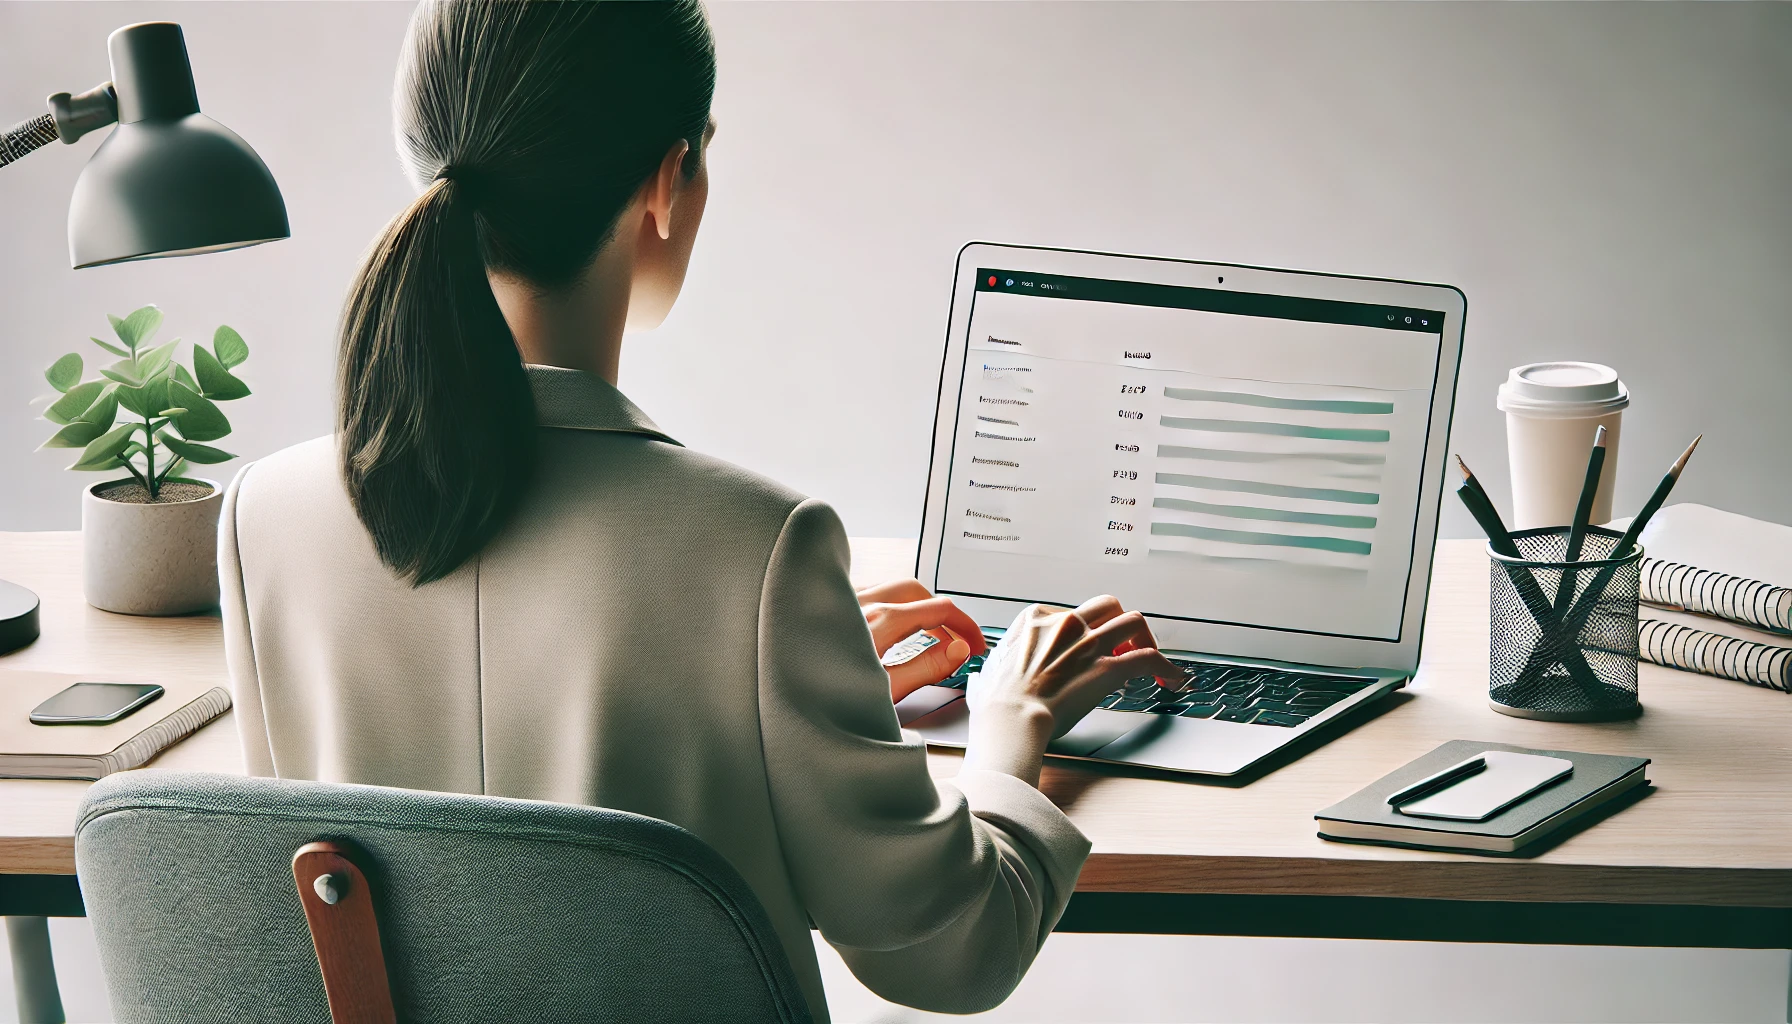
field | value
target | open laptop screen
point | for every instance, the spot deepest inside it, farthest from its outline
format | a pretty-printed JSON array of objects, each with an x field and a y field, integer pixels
[{"x": 1202, "y": 454}]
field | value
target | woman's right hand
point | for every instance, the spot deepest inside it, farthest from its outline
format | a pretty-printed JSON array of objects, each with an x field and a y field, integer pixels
[{"x": 1053, "y": 667}]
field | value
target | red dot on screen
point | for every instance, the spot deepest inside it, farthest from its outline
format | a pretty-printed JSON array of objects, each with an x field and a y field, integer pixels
[{"x": 992, "y": 282}]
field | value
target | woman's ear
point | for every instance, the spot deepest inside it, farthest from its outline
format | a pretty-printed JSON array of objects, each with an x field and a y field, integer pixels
[{"x": 660, "y": 190}]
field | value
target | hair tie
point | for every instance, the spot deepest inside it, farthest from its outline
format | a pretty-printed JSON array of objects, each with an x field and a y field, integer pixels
[{"x": 470, "y": 184}]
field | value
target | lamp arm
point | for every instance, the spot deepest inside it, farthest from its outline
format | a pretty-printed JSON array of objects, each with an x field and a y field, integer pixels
[
  {"x": 70, "y": 117},
  {"x": 25, "y": 137}
]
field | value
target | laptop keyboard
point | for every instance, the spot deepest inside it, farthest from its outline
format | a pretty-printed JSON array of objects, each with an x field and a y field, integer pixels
[{"x": 1224, "y": 693}]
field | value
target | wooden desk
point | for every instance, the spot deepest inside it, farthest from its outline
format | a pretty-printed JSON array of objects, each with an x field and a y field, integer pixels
[{"x": 1705, "y": 860}]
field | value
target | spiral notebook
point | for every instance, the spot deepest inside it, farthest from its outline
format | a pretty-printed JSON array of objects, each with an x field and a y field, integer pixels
[
  {"x": 1721, "y": 649},
  {"x": 1719, "y": 592}
]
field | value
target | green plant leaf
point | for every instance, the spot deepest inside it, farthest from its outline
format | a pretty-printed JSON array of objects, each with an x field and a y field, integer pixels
[
  {"x": 205, "y": 455},
  {"x": 98, "y": 467},
  {"x": 108, "y": 346},
  {"x": 146, "y": 400},
  {"x": 181, "y": 374},
  {"x": 105, "y": 448},
  {"x": 74, "y": 402},
  {"x": 134, "y": 448},
  {"x": 124, "y": 372},
  {"x": 172, "y": 469},
  {"x": 155, "y": 360},
  {"x": 230, "y": 346},
  {"x": 104, "y": 409},
  {"x": 215, "y": 382},
  {"x": 199, "y": 420},
  {"x": 75, "y": 435},
  {"x": 170, "y": 413},
  {"x": 65, "y": 373},
  {"x": 139, "y": 327}
]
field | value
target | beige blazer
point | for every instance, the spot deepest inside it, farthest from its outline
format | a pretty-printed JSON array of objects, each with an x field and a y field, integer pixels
[{"x": 660, "y": 632}]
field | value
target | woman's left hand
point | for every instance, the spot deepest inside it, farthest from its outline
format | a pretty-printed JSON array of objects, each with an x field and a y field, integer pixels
[{"x": 897, "y": 610}]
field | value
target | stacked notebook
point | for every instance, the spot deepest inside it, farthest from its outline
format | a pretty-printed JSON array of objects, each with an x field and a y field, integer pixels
[
  {"x": 90, "y": 752},
  {"x": 1719, "y": 590}
]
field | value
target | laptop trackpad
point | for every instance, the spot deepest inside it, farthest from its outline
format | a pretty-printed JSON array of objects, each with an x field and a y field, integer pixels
[
  {"x": 1097, "y": 730},
  {"x": 943, "y": 718},
  {"x": 924, "y": 701}
]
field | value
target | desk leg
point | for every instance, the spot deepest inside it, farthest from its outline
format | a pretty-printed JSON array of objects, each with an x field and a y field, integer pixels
[{"x": 33, "y": 970}]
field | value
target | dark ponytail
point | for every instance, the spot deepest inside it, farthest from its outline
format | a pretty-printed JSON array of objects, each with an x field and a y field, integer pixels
[{"x": 528, "y": 125}]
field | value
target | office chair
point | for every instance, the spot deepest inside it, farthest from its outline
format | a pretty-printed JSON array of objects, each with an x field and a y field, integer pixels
[{"x": 420, "y": 906}]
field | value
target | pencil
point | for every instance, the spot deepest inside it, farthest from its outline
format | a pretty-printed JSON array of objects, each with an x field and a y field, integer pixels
[
  {"x": 1481, "y": 507},
  {"x": 1653, "y": 505},
  {"x": 1577, "y": 530},
  {"x": 1589, "y": 488}
]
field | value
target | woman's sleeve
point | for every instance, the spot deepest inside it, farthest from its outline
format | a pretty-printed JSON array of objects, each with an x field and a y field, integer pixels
[
  {"x": 937, "y": 894},
  {"x": 239, "y": 648}
]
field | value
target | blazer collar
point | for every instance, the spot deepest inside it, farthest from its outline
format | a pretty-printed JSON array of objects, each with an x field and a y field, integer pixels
[{"x": 575, "y": 400}]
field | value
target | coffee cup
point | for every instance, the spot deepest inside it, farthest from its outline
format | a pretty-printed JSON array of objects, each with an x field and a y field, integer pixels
[{"x": 1552, "y": 412}]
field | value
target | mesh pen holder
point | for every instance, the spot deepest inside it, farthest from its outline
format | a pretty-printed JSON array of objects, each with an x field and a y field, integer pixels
[{"x": 1567, "y": 660}]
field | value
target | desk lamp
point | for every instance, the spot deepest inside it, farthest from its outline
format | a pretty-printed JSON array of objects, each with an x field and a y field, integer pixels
[{"x": 169, "y": 181}]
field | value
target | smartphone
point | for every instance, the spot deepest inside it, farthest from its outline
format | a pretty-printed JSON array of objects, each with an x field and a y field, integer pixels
[
  {"x": 94, "y": 703},
  {"x": 1507, "y": 778}
]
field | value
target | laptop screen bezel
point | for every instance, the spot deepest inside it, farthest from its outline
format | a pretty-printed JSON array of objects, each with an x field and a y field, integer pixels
[{"x": 1231, "y": 640}]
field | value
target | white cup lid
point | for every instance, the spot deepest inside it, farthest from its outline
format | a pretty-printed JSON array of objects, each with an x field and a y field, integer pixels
[{"x": 1563, "y": 389}]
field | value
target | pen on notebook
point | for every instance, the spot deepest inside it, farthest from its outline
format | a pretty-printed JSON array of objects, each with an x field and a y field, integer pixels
[
  {"x": 1653, "y": 505},
  {"x": 1482, "y": 509},
  {"x": 1449, "y": 776},
  {"x": 1577, "y": 531}
]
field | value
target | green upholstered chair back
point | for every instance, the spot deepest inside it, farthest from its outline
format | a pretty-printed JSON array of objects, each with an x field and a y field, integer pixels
[{"x": 489, "y": 909}]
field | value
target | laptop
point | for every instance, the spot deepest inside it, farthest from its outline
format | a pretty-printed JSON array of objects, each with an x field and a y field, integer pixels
[{"x": 1253, "y": 458}]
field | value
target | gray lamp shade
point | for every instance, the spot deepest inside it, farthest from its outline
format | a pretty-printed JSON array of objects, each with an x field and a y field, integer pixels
[{"x": 169, "y": 181}]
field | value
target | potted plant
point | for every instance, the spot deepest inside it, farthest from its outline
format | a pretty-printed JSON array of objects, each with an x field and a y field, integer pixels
[{"x": 150, "y": 537}]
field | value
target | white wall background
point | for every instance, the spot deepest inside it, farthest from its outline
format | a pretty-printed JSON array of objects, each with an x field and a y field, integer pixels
[{"x": 1605, "y": 181}]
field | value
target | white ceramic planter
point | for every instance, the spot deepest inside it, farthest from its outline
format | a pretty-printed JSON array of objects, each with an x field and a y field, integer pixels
[{"x": 157, "y": 559}]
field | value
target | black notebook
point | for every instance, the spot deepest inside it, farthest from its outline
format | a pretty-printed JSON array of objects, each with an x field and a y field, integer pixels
[{"x": 1366, "y": 816}]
